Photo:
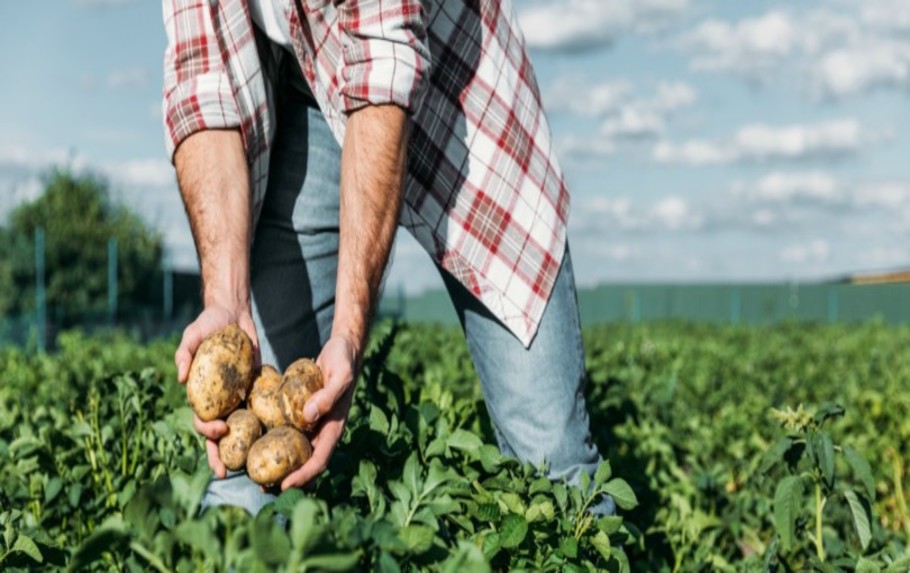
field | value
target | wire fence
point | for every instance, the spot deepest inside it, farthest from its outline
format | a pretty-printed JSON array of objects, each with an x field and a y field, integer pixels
[{"x": 720, "y": 303}]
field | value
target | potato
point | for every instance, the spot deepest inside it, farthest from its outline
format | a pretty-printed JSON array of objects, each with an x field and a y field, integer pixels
[
  {"x": 243, "y": 429},
  {"x": 301, "y": 380},
  {"x": 221, "y": 373},
  {"x": 275, "y": 455},
  {"x": 263, "y": 399}
]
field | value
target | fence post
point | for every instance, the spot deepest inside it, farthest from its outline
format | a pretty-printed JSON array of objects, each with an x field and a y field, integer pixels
[
  {"x": 832, "y": 305},
  {"x": 168, "y": 285},
  {"x": 112, "y": 280},
  {"x": 40, "y": 292},
  {"x": 635, "y": 310}
]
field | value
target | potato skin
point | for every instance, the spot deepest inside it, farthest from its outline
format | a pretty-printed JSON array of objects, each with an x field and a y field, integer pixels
[
  {"x": 263, "y": 400},
  {"x": 301, "y": 380},
  {"x": 221, "y": 373},
  {"x": 275, "y": 455},
  {"x": 243, "y": 430}
]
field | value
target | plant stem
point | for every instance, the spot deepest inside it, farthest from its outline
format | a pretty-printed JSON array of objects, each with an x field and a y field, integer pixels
[{"x": 819, "y": 506}]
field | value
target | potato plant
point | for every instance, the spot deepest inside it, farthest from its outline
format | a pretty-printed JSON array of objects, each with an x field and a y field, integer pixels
[{"x": 100, "y": 469}]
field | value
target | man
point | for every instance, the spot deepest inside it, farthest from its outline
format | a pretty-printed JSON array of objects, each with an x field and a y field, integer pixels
[{"x": 438, "y": 117}]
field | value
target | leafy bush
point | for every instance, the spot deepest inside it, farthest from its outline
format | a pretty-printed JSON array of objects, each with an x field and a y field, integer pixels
[{"x": 714, "y": 463}]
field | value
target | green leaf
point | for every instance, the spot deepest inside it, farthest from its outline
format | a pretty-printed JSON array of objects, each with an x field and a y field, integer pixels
[
  {"x": 111, "y": 536},
  {"x": 490, "y": 458},
  {"x": 492, "y": 543},
  {"x": 288, "y": 499},
  {"x": 26, "y": 545},
  {"x": 862, "y": 517},
  {"x": 775, "y": 454},
  {"x": 335, "y": 562},
  {"x": 464, "y": 440},
  {"x": 487, "y": 512},
  {"x": 609, "y": 524},
  {"x": 824, "y": 450},
  {"x": 902, "y": 565},
  {"x": 601, "y": 542},
  {"x": 861, "y": 470},
  {"x": 418, "y": 538},
  {"x": 867, "y": 566},
  {"x": 828, "y": 411},
  {"x": 621, "y": 492},
  {"x": 52, "y": 489},
  {"x": 268, "y": 539},
  {"x": 513, "y": 530},
  {"x": 410, "y": 475},
  {"x": 569, "y": 547},
  {"x": 787, "y": 499},
  {"x": 603, "y": 473},
  {"x": 304, "y": 529},
  {"x": 379, "y": 421}
]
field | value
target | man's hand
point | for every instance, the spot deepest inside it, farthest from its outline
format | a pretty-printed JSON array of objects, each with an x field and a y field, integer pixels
[
  {"x": 373, "y": 164},
  {"x": 214, "y": 182},
  {"x": 211, "y": 319},
  {"x": 338, "y": 362}
]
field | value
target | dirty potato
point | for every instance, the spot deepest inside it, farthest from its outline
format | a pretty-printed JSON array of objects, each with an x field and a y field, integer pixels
[
  {"x": 275, "y": 455},
  {"x": 263, "y": 399},
  {"x": 301, "y": 380},
  {"x": 221, "y": 373},
  {"x": 243, "y": 430}
]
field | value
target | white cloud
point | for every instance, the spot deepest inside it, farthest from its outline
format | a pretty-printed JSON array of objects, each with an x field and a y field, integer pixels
[
  {"x": 834, "y": 51},
  {"x": 142, "y": 173},
  {"x": 859, "y": 68},
  {"x": 128, "y": 79},
  {"x": 673, "y": 213},
  {"x": 816, "y": 251},
  {"x": 103, "y": 3},
  {"x": 633, "y": 123},
  {"x": 760, "y": 142},
  {"x": 692, "y": 152},
  {"x": 784, "y": 187},
  {"x": 586, "y": 148},
  {"x": 752, "y": 47},
  {"x": 890, "y": 195},
  {"x": 578, "y": 25},
  {"x": 671, "y": 96},
  {"x": 574, "y": 96}
]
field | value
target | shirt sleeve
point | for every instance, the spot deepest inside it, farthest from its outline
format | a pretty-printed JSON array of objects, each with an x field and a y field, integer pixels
[
  {"x": 385, "y": 53},
  {"x": 197, "y": 88}
]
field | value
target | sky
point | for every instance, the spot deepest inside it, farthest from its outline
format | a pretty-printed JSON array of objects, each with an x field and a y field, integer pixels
[{"x": 702, "y": 140}]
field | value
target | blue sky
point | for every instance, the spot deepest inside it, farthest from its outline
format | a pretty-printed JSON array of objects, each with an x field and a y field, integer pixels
[{"x": 702, "y": 140}]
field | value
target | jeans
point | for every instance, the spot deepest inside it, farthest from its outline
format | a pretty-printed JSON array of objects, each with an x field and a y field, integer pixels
[{"x": 534, "y": 396}]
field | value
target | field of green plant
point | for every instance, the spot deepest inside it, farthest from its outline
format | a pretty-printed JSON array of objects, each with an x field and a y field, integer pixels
[{"x": 730, "y": 448}]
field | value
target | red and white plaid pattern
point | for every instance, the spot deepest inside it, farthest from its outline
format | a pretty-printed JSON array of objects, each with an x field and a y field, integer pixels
[{"x": 484, "y": 193}]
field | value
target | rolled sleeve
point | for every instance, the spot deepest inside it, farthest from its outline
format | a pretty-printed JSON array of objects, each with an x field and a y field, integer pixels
[
  {"x": 197, "y": 89},
  {"x": 385, "y": 53}
]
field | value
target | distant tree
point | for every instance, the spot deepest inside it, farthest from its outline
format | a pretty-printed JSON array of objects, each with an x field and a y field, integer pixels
[{"x": 78, "y": 218}]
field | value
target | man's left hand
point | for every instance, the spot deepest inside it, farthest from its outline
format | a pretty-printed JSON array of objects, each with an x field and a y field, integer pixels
[{"x": 329, "y": 406}]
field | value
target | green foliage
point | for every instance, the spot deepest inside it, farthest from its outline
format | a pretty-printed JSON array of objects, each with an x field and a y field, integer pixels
[
  {"x": 78, "y": 219},
  {"x": 712, "y": 468}
]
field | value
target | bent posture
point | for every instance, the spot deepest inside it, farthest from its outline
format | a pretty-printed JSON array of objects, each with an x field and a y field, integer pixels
[{"x": 304, "y": 131}]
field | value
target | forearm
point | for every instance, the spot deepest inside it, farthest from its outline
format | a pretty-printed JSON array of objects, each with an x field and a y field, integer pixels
[
  {"x": 214, "y": 182},
  {"x": 373, "y": 164}
]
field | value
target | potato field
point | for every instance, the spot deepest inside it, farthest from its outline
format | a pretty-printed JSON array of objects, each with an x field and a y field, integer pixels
[{"x": 730, "y": 448}]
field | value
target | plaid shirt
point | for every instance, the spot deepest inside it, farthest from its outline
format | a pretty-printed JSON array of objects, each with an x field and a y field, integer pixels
[{"x": 484, "y": 193}]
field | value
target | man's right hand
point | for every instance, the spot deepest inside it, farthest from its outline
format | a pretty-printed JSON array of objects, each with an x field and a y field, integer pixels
[{"x": 211, "y": 319}]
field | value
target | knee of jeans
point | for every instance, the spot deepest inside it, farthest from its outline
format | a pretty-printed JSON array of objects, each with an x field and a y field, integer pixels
[{"x": 236, "y": 490}]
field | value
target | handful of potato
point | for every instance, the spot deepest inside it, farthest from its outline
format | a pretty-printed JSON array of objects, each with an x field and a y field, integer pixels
[{"x": 222, "y": 380}]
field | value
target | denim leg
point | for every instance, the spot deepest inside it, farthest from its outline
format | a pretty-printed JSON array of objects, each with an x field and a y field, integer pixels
[
  {"x": 294, "y": 261},
  {"x": 535, "y": 395}
]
